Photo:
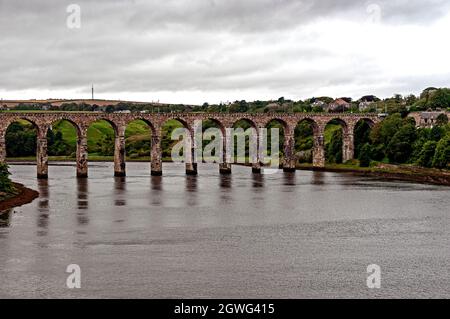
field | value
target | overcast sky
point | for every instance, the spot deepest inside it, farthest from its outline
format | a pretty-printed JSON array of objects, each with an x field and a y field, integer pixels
[{"x": 192, "y": 51}]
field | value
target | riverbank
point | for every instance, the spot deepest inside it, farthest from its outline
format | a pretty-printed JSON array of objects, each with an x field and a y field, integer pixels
[
  {"x": 21, "y": 196},
  {"x": 408, "y": 173}
]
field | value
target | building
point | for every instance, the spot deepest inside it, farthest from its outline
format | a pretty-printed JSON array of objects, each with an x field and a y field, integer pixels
[
  {"x": 319, "y": 104},
  {"x": 339, "y": 105},
  {"x": 427, "y": 119}
]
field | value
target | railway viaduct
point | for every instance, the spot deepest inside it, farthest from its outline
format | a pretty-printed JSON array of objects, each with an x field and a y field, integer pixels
[{"x": 119, "y": 121}]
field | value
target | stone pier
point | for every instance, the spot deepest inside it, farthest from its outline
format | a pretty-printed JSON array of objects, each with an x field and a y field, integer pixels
[
  {"x": 289, "y": 162},
  {"x": 82, "y": 154},
  {"x": 156, "y": 162},
  {"x": 119, "y": 152}
]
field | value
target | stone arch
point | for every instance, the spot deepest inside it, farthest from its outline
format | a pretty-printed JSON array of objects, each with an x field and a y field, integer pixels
[
  {"x": 143, "y": 119},
  {"x": 71, "y": 121},
  {"x": 367, "y": 120},
  {"x": 113, "y": 124},
  {"x": 279, "y": 120},
  {"x": 345, "y": 126},
  {"x": 361, "y": 130},
  {"x": 316, "y": 147},
  {"x": 312, "y": 122},
  {"x": 142, "y": 146},
  {"x": 347, "y": 139},
  {"x": 41, "y": 144},
  {"x": 189, "y": 156},
  {"x": 245, "y": 119},
  {"x": 253, "y": 146},
  {"x": 37, "y": 127}
]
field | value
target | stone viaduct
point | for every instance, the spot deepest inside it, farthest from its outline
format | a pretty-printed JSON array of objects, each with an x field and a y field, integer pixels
[{"x": 119, "y": 121}]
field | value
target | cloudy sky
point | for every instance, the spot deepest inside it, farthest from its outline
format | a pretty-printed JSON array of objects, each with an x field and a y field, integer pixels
[{"x": 192, "y": 51}]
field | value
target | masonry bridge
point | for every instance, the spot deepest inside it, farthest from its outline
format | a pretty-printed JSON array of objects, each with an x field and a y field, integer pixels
[{"x": 119, "y": 121}]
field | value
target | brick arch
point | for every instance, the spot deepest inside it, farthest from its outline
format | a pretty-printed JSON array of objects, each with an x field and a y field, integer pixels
[
  {"x": 312, "y": 122},
  {"x": 344, "y": 124},
  {"x": 247, "y": 119},
  {"x": 280, "y": 120},
  {"x": 70, "y": 120},
  {"x": 147, "y": 121},
  {"x": 35, "y": 123},
  {"x": 180, "y": 119},
  {"x": 113, "y": 124},
  {"x": 368, "y": 120}
]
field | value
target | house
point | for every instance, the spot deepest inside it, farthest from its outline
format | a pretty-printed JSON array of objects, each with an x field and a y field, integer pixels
[
  {"x": 367, "y": 102},
  {"x": 339, "y": 105},
  {"x": 428, "y": 119},
  {"x": 319, "y": 104}
]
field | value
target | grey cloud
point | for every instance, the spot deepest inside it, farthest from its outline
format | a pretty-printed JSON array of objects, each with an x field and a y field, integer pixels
[{"x": 138, "y": 46}]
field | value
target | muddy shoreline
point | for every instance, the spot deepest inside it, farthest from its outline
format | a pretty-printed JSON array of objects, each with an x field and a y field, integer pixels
[
  {"x": 25, "y": 195},
  {"x": 443, "y": 180}
]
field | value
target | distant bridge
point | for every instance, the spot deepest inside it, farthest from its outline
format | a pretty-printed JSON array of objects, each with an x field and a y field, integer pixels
[{"x": 119, "y": 121}]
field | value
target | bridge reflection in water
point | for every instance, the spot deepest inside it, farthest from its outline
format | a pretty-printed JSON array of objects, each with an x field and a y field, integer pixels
[{"x": 119, "y": 121}]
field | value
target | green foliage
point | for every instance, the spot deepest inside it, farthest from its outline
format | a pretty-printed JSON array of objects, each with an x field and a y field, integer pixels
[
  {"x": 5, "y": 182},
  {"x": 362, "y": 136},
  {"x": 442, "y": 120},
  {"x": 427, "y": 154},
  {"x": 442, "y": 154},
  {"x": 20, "y": 139},
  {"x": 400, "y": 148},
  {"x": 57, "y": 146},
  {"x": 333, "y": 145},
  {"x": 365, "y": 155}
]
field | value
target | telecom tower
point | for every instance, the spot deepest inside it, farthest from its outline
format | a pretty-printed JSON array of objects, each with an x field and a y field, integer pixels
[{"x": 92, "y": 91}]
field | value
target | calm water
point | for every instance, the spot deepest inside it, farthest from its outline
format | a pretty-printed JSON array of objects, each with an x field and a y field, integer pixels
[{"x": 308, "y": 234}]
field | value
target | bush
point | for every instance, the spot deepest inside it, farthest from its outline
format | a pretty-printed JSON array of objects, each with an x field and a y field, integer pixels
[
  {"x": 400, "y": 148},
  {"x": 442, "y": 154},
  {"x": 365, "y": 155},
  {"x": 426, "y": 154},
  {"x": 5, "y": 183}
]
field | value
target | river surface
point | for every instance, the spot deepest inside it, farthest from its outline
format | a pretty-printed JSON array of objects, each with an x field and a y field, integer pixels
[{"x": 297, "y": 235}]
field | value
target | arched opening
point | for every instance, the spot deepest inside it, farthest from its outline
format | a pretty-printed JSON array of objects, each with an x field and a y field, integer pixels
[
  {"x": 213, "y": 141},
  {"x": 275, "y": 142},
  {"x": 304, "y": 141},
  {"x": 21, "y": 140},
  {"x": 100, "y": 140},
  {"x": 138, "y": 140},
  {"x": 62, "y": 139},
  {"x": 334, "y": 141},
  {"x": 173, "y": 135},
  {"x": 361, "y": 135},
  {"x": 245, "y": 142}
]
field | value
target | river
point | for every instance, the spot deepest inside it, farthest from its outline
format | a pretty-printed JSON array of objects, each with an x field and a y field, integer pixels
[{"x": 286, "y": 235}]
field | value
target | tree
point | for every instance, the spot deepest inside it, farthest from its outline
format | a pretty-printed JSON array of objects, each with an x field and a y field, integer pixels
[
  {"x": 442, "y": 154},
  {"x": 440, "y": 99},
  {"x": 334, "y": 147},
  {"x": 362, "y": 132},
  {"x": 400, "y": 148},
  {"x": 427, "y": 153},
  {"x": 365, "y": 155},
  {"x": 5, "y": 182}
]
